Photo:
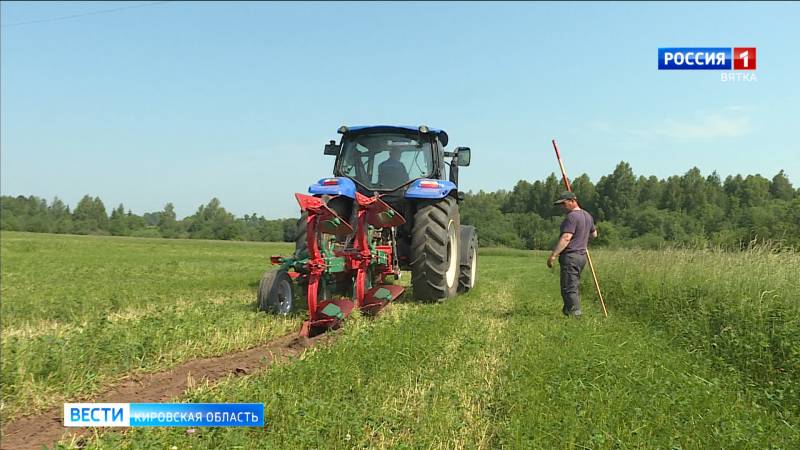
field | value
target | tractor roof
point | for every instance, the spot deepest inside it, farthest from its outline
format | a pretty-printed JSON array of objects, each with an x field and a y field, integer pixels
[{"x": 383, "y": 128}]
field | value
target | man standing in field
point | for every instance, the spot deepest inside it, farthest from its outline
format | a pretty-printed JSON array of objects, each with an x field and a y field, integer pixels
[{"x": 576, "y": 228}]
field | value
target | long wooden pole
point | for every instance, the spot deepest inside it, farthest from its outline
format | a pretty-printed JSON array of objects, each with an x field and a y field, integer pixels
[{"x": 588, "y": 256}]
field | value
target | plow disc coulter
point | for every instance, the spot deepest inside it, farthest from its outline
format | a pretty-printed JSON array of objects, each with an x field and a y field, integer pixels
[{"x": 344, "y": 266}]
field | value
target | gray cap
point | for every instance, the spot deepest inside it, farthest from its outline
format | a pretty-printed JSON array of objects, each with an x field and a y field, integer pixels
[{"x": 566, "y": 195}]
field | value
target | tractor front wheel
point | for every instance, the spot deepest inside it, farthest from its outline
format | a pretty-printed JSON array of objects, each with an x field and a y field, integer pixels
[
  {"x": 435, "y": 250},
  {"x": 275, "y": 293}
]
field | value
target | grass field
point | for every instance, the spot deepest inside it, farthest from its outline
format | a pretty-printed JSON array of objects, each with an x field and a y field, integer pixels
[
  {"x": 79, "y": 312},
  {"x": 700, "y": 350}
]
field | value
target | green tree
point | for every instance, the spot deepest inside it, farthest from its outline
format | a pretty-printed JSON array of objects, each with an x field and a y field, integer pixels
[
  {"x": 646, "y": 220},
  {"x": 793, "y": 222},
  {"x": 534, "y": 232},
  {"x": 118, "y": 224},
  {"x": 483, "y": 211},
  {"x": 34, "y": 214},
  {"x": 520, "y": 200},
  {"x": 693, "y": 187},
  {"x": 273, "y": 230},
  {"x": 289, "y": 229},
  {"x": 650, "y": 191},
  {"x": 715, "y": 193},
  {"x": 780, "y": 187},
  {"x": 549, "y": 192},
  {"x": 151, "y": 219},
  {"x": 89, "y": 216},
  {"x": 672, "y": 194},
  {"x": 617, "y": 192},
  {"x": 9, "y": 217},
  {"x": 167, "y": 222},
  {"x": 611, "y": 235},
  {"x": 136, "y": 223},
  {"x": 755, "y": 190},
  {"x": 586, "y": 192},
  {"x": 60, "y": 217},
  {"x": 211, "y": 221}
]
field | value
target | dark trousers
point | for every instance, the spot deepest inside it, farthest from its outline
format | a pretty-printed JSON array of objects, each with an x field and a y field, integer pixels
[{"x": 571, "y": 267}]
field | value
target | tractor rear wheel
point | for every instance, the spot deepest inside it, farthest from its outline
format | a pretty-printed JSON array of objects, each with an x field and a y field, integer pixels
[
  {"x": 300, "y": 243},
  {"x": 341, "y": 205},
  {"x": 275, "y": 293},
  {"x": 435, "y": 250},
  {"x": 469, "y": 259}
]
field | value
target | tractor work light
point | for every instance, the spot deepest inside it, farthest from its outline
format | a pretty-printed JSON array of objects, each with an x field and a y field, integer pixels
[
  {"x": 423, "y": 129},
  {"x": 330, "y": 182},
  {"x": 427, "y": 184},
  {"x": 343, "y": 129}
]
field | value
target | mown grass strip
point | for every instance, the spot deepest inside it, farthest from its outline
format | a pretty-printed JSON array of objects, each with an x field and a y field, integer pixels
[{"x": 420, "y": 375}]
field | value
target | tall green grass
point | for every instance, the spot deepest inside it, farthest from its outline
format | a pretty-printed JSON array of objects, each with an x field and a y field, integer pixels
[{"x": 739, "y": 309}]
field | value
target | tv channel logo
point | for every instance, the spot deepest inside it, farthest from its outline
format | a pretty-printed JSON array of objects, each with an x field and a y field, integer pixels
[
  {"x": 163, "y": 414},
  {"x": 97, "y": 414},
  {"x": 707, "y": 58}
]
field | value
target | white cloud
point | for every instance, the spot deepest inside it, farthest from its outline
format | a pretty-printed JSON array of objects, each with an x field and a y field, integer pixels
[{"x": 731, "y": 122}]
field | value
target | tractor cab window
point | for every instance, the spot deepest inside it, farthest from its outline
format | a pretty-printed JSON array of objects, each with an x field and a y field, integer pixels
[{"x": 386, "y": 161}]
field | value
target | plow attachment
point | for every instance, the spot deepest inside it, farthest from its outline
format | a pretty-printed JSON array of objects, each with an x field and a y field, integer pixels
[{"x": 345, "y": 267}]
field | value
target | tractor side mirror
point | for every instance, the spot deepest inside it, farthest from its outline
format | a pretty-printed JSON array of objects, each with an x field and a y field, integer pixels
[
  {"x": 331, "y": 148},
  {"x": 463, "y": 154}
]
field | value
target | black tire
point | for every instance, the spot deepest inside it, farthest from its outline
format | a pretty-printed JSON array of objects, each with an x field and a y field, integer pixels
[
  {"x": 276, "y": 293},
  {"x": 341, "y": 205},
  {"x": 435, "y": 250},
  {"x": 469, "y": 259},
  {"x": 300, "y": 244}
]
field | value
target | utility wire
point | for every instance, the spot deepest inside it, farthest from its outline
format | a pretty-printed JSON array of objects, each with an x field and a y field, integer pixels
[{"x": 74, "y": 16}]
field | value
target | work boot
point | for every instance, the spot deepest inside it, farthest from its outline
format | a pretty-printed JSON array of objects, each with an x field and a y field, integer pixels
[{"x": 572, "y": 311}]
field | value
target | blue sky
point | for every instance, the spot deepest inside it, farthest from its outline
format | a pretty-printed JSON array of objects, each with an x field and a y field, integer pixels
[{"x": 183, "y": 101}]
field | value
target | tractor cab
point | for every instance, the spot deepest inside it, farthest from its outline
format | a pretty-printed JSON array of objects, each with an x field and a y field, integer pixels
[{"x": 388, "y": 159}]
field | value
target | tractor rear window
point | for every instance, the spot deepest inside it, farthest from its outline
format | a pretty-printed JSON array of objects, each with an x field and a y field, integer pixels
[{"x": 386, "y": 161}]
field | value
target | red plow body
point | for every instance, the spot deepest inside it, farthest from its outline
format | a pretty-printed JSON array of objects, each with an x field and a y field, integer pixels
[{"x": 346, "y": 267}]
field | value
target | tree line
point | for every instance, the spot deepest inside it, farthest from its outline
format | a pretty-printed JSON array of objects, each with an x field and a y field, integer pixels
[
  {"x": 630, "y": 211},
  {"x": 644, "y": 212},
  {"x": 211, "y": 221}
]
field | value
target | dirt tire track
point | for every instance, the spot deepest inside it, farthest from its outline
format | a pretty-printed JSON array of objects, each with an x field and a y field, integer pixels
[{"x": 46, "y": 429}]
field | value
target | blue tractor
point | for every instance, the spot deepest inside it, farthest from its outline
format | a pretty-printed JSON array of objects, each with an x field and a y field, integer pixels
[{"x": 391, "y": 205}]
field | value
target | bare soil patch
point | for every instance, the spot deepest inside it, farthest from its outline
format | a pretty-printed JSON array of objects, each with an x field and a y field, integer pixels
[{"x": 47, "y": 428}]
